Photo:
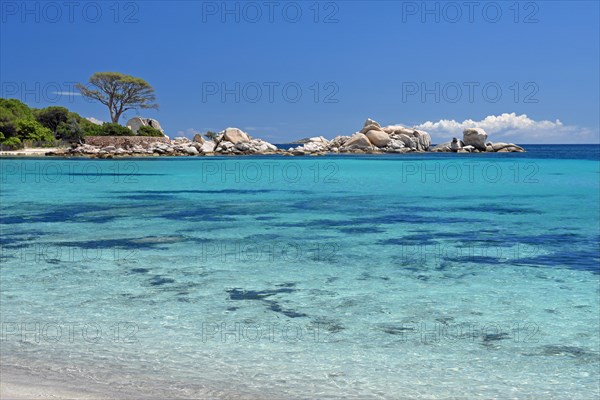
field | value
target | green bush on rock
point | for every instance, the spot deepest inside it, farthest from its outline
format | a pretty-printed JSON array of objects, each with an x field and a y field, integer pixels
[
  {"x": 110, "y": 129},
  {"x": 149, "y": 131}
]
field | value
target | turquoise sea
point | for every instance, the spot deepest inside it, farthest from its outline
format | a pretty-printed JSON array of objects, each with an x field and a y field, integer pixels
[{"x": 423, "y": 276}]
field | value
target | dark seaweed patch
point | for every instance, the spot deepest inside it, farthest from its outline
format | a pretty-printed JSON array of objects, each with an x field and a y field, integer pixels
[
  {"x": 262, "y": 295},
  {"x": 70, "y": 213},
  {"x": 408, "y": 218},
  {"x": 585, "y": 260},
  {"x": 150, "y": 242},
  {"x": 159, "y": 280},
  {"x": 404, "y": 242},
  {"x": 397, "y": 329},
  {"x": 494, "y": 337},
  {"x": 263, "y": 236},
  {"x": 498, "y": 209},
  {"x": 475, "y": 259},
  {"x": 366, "y": 276},
  {"x": 274, "y": 306},
  {"x": 148, "y": 197},
  {"x": 240, "y": 294},
  {"x": 361, "y": 230},
  {"x": 569, "y": 351},
  {"x": 264, "y": 218}
]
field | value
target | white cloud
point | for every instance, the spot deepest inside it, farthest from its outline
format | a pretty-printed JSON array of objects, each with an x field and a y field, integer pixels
[
  {"x": 67, "y": 93},
  {"x": 512, "y": 127},
  {"x": 94, "y": 121},
  {"x": 189, "y": 133}
]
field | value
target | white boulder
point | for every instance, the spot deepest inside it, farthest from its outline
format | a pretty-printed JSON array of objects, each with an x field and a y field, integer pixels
[
  {"x": 357, "y": 141},
  {"x": 235, "y": 135},
  {"x": 378, "y": 138},
  {"x": 475, "y": 137}
]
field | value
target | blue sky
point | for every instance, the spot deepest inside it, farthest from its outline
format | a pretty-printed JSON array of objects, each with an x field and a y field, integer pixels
[{"x": 526, "y": 72}]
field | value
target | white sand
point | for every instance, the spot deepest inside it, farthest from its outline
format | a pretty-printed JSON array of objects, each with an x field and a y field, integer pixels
[{"x": 37, "y": 152}]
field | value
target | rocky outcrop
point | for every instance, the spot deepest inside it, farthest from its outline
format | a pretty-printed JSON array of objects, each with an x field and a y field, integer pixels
[
  {"x": 475, "y": 137},
  {"x": 475, "y": 141},
  {"x": 234, "y": 141},
  {"x": 111, "y": 146},
  {"x": 136, "y": 123},
  {"x": 372, "y": 138},
  {"x": 234, "y": 135},
  {"x": 412, "y": 138},
  {"x": 123, "y": 141}
]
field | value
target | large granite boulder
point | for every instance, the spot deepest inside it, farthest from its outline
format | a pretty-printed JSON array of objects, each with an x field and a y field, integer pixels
[
  {"x": 378, "y": 138},
  {"x": 407, "y": 140},
  {"x": 338, "y": 141},
  {"x": 357, "y": 141},
  {"x": 136, "y": 123},
  {"x": 475, "y": 137},
  {"x": 208, "y": 146},
  {"x": 442, "y": 147},
  {"x": 235, "y": 135},
  {"x": 423, "y": 139},
  {"x": 510, "y": 147}
]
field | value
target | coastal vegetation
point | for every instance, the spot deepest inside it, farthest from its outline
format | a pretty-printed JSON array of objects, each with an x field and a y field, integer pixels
[{"x": 22, "y": 126}]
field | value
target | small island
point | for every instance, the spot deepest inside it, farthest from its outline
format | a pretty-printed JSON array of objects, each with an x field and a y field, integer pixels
[{"x": 56, "y": 131}]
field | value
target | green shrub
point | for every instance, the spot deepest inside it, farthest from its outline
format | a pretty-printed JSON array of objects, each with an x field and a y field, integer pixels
[
  {"x": 12, "y": 110},
  {"x": 12, "y": 143},
  {"x": 16, "y": 109},
  {"x": 90, "y": 128},
  {"x": 110, "y": 129},
  {"x": 52, "y": 117},
  {"x": 211, "y": 135},
  {"x": 70, "y": 130},
  {"x": 149, "y": 131},
  {"x": 30, "y": 129}
]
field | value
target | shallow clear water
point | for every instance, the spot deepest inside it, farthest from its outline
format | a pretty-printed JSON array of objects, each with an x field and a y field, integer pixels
[{"x": 422, "y": 276}]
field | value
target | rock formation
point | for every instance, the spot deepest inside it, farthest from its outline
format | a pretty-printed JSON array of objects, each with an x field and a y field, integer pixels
[
  {"x": 475, "y": 141},
  {"x": 136, "y": 123},
  {"x": 372, "y": 138},
  {"x": 475, "y": 137}
]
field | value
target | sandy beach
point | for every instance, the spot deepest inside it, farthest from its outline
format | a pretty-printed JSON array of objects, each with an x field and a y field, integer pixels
[
  {"x": 21, "y": 385},
  {"x": 34, "y": 152}
]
